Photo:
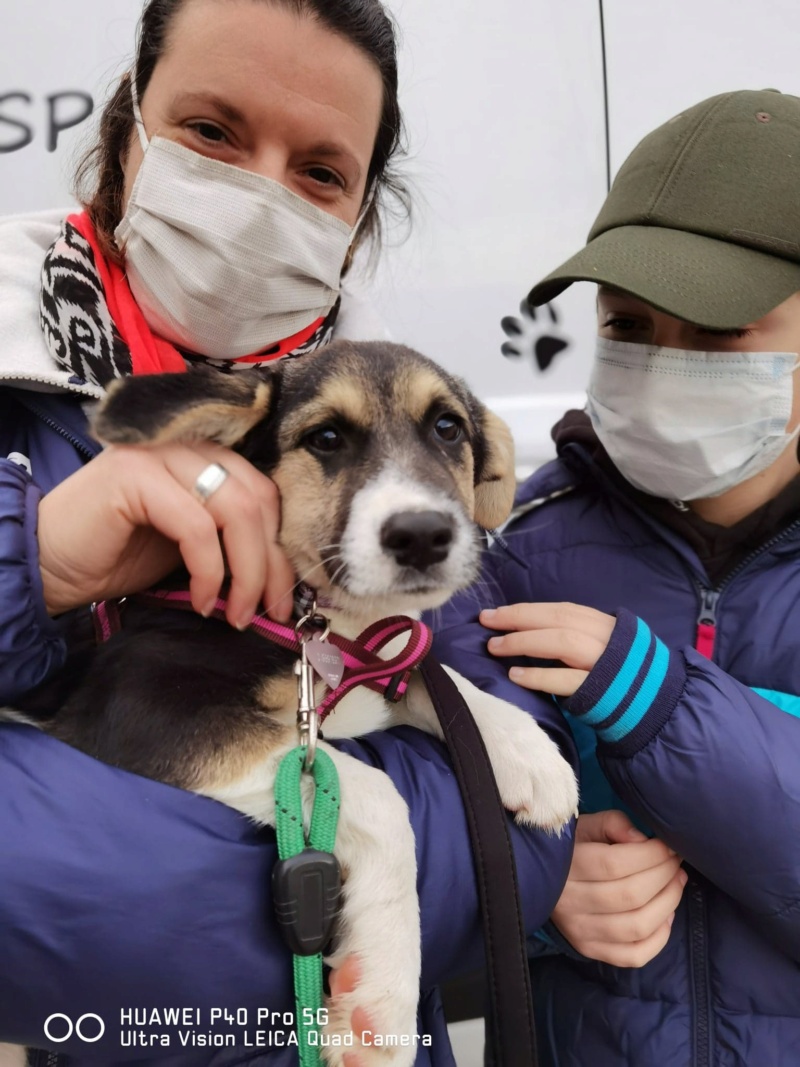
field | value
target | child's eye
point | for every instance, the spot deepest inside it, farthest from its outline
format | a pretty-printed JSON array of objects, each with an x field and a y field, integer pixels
[
  {"x": 734, "y": 332},
  {"x": 619, "y": 322}
]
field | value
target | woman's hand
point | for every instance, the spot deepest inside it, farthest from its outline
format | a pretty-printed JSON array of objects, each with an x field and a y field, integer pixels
[
  {"x": 129, "y": 517},
  {"x": 574, "y": 634},
  {"x": 621, "y": 894}
]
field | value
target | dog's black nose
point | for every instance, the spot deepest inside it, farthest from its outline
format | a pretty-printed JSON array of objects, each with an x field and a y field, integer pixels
[{"x": 418, "y": 538}]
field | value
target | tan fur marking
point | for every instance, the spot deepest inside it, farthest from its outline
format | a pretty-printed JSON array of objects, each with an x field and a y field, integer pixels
[
  {"x": 340, "y": 397},
  {"x": 417, "y": 389},
  {"x": 494, "y": 494},
  {"x": 217, "y": 421},
  {"x": 310, "y": 505},
  {"x": 250, "y": 742},
  {"x": 278, "y": 693},
  {"x": 464, "y": 478}
]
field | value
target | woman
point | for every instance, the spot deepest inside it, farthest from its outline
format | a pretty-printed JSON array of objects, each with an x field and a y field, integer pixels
[
  {"x": 237, "y": 168},
  {"x": 675, "y": 504}
]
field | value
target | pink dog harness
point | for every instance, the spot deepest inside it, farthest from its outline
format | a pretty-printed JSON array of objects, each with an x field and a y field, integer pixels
[{"x": 362, "y": 664}]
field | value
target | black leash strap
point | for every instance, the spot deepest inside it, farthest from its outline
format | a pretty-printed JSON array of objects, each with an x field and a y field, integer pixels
[{"x": 510, "y": 1002}]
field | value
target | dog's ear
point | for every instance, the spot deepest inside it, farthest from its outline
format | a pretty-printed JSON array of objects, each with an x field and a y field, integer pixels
[
  {"x": 495, "y": 479},
  {"x": 201, "y": 405}
]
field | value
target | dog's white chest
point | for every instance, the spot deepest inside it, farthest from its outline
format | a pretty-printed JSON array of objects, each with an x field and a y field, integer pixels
[{"x": 360, "y": 712}]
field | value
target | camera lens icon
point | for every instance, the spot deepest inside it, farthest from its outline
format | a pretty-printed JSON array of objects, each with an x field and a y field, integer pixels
[{"x": 59, "y": 1028}]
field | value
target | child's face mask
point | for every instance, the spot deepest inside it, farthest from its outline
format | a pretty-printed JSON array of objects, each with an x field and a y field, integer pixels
[{"x": 686, "y": 425}]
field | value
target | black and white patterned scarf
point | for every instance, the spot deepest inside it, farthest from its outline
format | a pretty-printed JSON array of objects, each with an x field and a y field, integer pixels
[{"x": 84, "y": 339}]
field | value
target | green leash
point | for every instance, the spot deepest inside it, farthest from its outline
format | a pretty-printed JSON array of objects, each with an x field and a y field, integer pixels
[{"x": 306, "y": 884}]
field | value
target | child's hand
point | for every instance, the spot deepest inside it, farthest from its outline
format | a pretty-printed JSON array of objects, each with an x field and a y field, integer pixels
[
  {"x": 574, "y": 634},
  {"x": 621, "y": 894}
]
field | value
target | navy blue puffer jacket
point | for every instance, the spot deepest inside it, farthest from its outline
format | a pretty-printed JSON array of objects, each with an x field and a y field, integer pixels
[
  {"x": 122, "y": 895},
  {"x": 704, "y": 751}
]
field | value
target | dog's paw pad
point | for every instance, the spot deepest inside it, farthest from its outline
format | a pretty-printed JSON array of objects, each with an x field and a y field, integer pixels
[
  {"x": 535, "y": 333},
  {"x": 353, "y": 1029},
  {"x": 554, "y": 800}
]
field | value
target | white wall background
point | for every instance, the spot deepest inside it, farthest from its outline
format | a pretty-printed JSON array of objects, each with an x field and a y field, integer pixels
[{"x": 504, "y": 106}]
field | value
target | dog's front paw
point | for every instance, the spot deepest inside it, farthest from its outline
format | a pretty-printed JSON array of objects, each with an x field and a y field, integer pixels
[
  {"x": 534, "y": 779},
  {"x": 379, "y": 1025}
]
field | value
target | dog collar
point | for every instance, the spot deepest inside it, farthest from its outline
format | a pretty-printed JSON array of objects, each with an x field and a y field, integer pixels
[
  {"x": 306, "y": 597},
  {"x": 362, "y": 664}
]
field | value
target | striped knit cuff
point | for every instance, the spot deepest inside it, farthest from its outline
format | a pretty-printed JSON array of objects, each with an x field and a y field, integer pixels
[{"x": 632, "y": 689}]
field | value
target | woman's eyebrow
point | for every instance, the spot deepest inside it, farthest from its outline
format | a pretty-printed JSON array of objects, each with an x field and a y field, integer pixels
[
  {"x": 332, "y": 150},
  {"x": 322, "y": 149},
  {"x": 231, "y": 113}
]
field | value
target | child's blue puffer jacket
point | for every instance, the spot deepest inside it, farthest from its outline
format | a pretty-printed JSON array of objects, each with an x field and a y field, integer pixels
[{"x": 704, "y": 751}]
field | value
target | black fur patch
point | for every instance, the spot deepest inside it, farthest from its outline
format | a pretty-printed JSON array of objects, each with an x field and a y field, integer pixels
[
  {"x": 169, "y": 693},
  {"x": 138, "y": 410}
]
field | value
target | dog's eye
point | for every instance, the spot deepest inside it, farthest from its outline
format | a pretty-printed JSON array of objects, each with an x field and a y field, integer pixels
[
  {"x": 325, "y": 439},
  {"x": 448, "y": 428}
]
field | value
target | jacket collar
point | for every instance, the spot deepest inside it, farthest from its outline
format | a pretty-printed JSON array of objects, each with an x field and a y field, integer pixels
[
  {"x": 578, "y": 465},
  {"x": 26, "y": 361}
]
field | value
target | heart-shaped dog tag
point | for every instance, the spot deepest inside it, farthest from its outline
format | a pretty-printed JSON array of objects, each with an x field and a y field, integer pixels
[{"x": 327, "y": 660}]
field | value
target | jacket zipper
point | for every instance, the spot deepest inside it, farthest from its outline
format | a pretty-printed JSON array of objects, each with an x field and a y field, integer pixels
[
  {"x": 706, "y": 632},
  {"x": 707, "y": 622},
  {"x": 90, "y": 392},
  {"x": 79, "y": 446},
  {"x": 698, "y": 955},
  {"x": 698, "y": 930}
]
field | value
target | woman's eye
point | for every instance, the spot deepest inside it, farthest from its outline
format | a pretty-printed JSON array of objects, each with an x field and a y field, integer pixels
[
  {"x": 209, "y": 132},
  {"x": 324, "y": 176},
  {"x": 448, "y": 428},
  {"x": 326, "y": 439}
]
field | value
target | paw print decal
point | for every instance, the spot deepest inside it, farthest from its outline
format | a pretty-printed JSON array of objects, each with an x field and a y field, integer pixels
[{"x": 535, "y": 333}]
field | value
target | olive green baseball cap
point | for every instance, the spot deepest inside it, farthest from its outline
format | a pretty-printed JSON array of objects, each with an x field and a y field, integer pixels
[{"x": 703, "y": 218}]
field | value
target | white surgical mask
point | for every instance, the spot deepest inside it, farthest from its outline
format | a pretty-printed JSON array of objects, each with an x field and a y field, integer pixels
[
  {"x": 687, "y": 425},
  {"x": 222, "y": 261}
]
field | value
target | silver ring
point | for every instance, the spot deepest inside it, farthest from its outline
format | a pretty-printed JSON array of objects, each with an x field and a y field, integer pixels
[{"x": 209, "y": 481}]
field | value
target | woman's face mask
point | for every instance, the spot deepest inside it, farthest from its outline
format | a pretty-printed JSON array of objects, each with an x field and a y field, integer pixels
[
  {"x": 224, "y": 262},
  {"x": 248, "y": 196}
]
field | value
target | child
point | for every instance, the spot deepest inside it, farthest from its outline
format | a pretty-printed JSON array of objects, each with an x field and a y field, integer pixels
[{"x": 656, "y": 562}]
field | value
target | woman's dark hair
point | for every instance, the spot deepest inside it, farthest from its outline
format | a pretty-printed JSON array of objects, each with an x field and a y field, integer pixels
[{"x": 365, "y": 23}]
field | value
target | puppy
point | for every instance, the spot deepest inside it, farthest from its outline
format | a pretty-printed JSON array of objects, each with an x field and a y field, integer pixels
[{"x": 386, "y": 466}]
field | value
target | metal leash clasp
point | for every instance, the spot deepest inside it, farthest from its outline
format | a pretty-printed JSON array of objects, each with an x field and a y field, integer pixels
[{"x": 307, "y": 717}]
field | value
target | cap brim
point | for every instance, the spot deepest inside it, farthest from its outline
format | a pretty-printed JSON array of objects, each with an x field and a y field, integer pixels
[{"x": 703, "y": 280}]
